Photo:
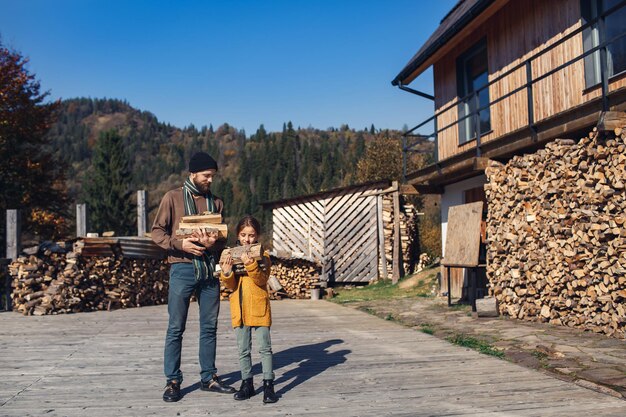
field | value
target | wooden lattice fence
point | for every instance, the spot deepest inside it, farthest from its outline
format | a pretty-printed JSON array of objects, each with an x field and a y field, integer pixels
[{"x": 339, "y": 228}]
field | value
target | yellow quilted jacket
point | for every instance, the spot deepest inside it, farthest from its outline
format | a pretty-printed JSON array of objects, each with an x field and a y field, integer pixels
[{"x": 250, "y": 301}]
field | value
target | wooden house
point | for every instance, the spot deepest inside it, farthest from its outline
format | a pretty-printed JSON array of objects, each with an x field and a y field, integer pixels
[{"x": 510, "y": 76}]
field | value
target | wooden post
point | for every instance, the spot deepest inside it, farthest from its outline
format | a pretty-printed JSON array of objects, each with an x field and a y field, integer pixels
[
  {"x": 472, "y": 287},
  {"x": 141, "y": 213},
  {"x": 5, "y": 300},
  {"x": 381, "y": 236},
  {"x": 395, "y": 276},
  {"x": 449, "y": 284},
  {"x": 328, "y": 270},
  {"x": 81, "y": 220},
  {"x": 309, "y": 240},
  {"x": 13, "y": 234}
]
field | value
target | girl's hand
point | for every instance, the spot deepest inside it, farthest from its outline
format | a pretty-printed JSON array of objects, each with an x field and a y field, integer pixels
[
  {"x": 246, "y": 258},
  {"x": 227, "y": 264}
]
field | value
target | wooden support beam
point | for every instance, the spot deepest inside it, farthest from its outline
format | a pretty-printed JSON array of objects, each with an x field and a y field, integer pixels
[
  {"x": 480, "y": 163},
  {"x": 428, "y": 174},
  {"x": 611, "y": 120},
  {"x": 429, "y": 189},
  {"x": 13, "y": 234},
  {"x": 397, "y": 255},
  {"x": 141, "y": 213},
  {"x": 381, "y": 236},
  {"x": 408, "y": 189},
  {"x": 385, "y": 191},
  {"x": 81, "y": 220}
]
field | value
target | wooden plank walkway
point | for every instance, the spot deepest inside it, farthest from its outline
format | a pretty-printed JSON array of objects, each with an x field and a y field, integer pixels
[{"x": 329, "y": 360}]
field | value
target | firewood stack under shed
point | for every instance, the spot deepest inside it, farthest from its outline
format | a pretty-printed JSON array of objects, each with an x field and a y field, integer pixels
[
  {"x": 557, "y": 233},
  {"x": 408, "y": 225},
  {"x": 297, "y": 277}
]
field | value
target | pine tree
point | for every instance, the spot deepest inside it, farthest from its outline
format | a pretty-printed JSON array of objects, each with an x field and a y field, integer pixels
[
  {"x": 223, "y": 188},
  {"x": 260, "y": 135},
  {"x": 107, "y": 189}
]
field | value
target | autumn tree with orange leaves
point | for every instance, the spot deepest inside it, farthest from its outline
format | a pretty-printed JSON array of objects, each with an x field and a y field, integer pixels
[{"x": 31, "y": 179}]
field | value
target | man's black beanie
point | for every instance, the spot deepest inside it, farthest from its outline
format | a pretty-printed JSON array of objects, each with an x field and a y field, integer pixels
[{"x": 201, "y": 161}]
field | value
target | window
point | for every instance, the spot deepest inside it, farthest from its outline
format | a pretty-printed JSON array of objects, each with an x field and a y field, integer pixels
[
  {"x": 613, "y": 26},
  {"x": 472, "y": 75}
]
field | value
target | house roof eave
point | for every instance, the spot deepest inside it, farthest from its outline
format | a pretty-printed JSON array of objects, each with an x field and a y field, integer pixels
[{"x": 459, "y": 17}]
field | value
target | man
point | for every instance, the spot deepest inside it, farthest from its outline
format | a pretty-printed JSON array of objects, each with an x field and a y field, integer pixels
[{"x": 192, "y": 266}]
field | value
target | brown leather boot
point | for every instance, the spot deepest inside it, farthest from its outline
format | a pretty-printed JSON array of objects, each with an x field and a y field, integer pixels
[{"x": 215, "y": 385}]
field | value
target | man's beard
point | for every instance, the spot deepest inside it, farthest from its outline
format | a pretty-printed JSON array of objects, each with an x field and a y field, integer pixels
[{"x": 203, "y": 188}]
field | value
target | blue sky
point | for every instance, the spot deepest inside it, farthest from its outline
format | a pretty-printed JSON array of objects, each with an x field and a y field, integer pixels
[{"x": 316, "y": 63}]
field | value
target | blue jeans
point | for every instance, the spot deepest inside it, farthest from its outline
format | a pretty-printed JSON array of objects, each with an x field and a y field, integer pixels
[{"x": 182, "y": 285}]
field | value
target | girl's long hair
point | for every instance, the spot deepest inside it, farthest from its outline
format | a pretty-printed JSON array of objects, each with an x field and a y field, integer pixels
[{"x": 251, "y": 222}]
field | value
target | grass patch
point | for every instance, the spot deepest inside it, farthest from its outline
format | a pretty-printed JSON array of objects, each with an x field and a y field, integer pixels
[
  {"x": 460, "y": 307},
  {"x": 475, "y": 344},
  {"x": 424, "y": 281},
  {"x": 367, "y": 310},
  {"x": 427, "y": 328}
]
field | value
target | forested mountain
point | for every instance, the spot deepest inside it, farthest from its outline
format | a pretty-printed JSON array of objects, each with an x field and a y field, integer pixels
[{"x": 261, "y": 167}]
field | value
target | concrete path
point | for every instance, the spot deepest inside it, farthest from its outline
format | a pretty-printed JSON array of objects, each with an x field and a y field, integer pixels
[{"x": 329, "y": 361}]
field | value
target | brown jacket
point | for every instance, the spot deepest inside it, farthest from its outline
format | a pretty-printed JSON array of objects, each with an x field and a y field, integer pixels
[
  {"x": 171, "y": 209},
  {"x": 250, "y": 301}
]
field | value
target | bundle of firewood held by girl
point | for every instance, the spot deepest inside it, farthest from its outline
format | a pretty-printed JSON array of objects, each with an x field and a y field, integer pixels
[
  {"x": 209, "y": 222},
  {"x": 255, "y": 251}
]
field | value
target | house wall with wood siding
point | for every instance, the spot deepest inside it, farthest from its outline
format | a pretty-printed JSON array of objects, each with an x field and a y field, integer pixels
[{"x": 516, "y": 32}]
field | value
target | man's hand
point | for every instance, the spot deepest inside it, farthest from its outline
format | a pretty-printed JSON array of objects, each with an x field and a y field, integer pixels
[
  {"x": 190, "y": 246},
  {"x": 206, "y": 239},
  {"x": 227, "y": 264}
]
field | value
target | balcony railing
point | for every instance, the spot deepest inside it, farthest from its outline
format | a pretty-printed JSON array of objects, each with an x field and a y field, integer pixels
[{"x": 408, "y": 147}]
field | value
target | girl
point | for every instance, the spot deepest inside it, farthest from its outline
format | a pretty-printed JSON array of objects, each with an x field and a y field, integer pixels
[{"x": 250, "y": 309}]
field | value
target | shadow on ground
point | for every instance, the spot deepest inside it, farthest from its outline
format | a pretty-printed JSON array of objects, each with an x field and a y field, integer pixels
[{"x": 311, "y": 360}]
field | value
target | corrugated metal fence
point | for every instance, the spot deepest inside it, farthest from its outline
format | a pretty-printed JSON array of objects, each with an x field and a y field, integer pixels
[{"x": 129, "y": 247}]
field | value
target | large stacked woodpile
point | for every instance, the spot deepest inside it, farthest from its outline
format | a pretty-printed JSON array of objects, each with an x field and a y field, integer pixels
[
  {"x": 557, "y": 234},
  {"x": 54, "y": 283}
]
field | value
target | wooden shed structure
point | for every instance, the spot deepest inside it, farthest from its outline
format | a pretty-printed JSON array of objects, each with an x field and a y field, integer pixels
[{"x": 341, "y": 229}]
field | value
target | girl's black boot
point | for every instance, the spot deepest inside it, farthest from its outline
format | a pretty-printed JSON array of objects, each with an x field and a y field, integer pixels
[
  {"x": 246, "y": 390},
  {"x": 269, "y": 396}
]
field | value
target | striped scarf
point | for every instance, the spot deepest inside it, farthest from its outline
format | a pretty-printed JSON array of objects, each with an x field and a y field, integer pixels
[{"x": 204, "y": 265}]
